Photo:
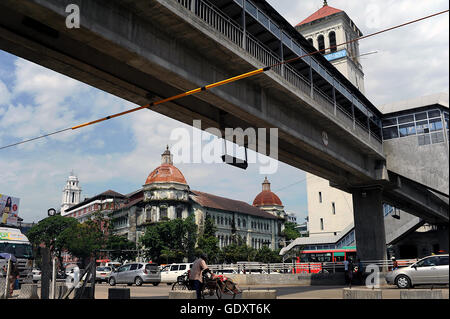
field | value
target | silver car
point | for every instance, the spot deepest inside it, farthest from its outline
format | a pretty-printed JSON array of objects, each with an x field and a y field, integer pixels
[
  {"x": 427, "y": 271},
  {"x": 136, "y": 273}
]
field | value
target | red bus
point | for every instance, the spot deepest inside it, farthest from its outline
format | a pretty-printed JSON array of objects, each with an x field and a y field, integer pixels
[{"x": 313, "y": 261}]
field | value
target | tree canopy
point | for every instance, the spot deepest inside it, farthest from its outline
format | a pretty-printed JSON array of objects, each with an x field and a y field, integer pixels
[
  {"x": 290, "y": 232},
  {"x": 171, "y": 240}
]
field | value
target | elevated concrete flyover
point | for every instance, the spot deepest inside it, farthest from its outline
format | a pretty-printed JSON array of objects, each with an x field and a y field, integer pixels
[{"x": 146, "y": 50}]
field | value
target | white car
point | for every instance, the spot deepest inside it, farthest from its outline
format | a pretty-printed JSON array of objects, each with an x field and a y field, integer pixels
[
  {"x": 427, "y": 271},
  {"x": 170, "y": 273}
]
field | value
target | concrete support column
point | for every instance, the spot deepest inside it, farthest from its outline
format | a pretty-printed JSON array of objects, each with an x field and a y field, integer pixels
[{"x": 369, "y": 224}]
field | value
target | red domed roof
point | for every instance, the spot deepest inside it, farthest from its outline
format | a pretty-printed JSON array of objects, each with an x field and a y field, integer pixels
[
  {"x": 166, "y": 173},
  {"x": 267, "y": 197}
]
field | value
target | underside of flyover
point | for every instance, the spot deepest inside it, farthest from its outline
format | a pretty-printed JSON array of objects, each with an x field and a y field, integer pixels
[{"x": 143, "y": 51}]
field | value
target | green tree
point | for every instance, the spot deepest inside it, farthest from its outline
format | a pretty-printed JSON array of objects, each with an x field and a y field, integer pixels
[
  {"x": 171, "y": 240},
  {"x": 48, "y": 231},
  {"x": 120, "y": 248},
  {"x": 290, "y": 232},
  {"x": 208, "y": 243},
  {"x": 84, "y": 241},
  {"x": 234, "y": 253},
  {"x": 267, "y": 255}
]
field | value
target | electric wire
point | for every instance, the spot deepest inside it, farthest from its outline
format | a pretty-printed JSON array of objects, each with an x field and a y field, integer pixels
[{"x": 220, "y": 83}]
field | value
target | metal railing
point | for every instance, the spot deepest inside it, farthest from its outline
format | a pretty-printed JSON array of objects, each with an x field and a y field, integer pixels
[
  {"x": 302, "y": 267},
  {"x": 232, "y": 31}
]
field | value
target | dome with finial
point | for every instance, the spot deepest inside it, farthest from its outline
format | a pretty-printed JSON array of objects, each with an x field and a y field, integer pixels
[
  {"x": 167, "y": 172},
  {"x": 267, "y": 197}
]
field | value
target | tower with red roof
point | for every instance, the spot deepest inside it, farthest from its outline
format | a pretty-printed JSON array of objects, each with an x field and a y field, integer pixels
[{"x": 326, "y": 29}]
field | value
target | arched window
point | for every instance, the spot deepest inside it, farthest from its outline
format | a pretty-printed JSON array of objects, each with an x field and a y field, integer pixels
[
  {"x": 180, "y": 212},
  {"x": 321, "y": 42},
  {"x": 310, "y": 40},
  {"x": 332, "y": 38}
]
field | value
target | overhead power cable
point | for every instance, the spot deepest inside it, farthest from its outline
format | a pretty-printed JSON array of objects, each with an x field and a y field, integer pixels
[{"x": 220, "y": 83}]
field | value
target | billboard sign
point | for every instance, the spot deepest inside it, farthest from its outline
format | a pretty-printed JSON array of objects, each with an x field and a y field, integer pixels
[{"x": 9, "y": 209}]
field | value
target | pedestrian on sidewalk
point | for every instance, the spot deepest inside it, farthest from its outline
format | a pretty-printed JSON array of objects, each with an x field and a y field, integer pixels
[
  {"x": 350, "y": 268},
  {"x": 360, "y": 272},
  {"x": 13, "y": 276}
]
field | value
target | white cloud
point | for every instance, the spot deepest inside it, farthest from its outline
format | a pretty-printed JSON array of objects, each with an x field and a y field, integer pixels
[{"x": 5, "y": 95}]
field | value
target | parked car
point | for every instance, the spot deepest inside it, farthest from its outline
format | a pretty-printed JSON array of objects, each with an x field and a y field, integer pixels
[
  {"x": 36, "y": 273},
  {"x": 170, "y": 273},
  {"x": 102, "y": 273},
  {"x": 427, "y": 271},
  {"x": 225, "y": 271},
  {"x": 136, "y": 273}
]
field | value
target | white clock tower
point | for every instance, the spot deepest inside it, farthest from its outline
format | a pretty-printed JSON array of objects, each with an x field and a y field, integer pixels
[{"x": 71, "y": 193}]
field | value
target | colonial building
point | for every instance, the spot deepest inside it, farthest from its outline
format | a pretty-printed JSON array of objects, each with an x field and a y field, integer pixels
[{"x": 166, "y": 195}]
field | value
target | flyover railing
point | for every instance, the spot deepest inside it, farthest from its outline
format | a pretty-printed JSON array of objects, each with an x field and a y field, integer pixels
[{"x": 233, "y": 32}]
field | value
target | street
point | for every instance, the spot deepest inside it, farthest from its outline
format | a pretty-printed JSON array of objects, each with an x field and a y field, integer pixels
[{"x": 283, "y": 291}]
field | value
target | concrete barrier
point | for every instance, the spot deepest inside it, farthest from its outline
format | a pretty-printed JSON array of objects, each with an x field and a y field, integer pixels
[
  {"x": 182, "y": 294},
  {"x": 421, "y": 294},
  {"x": 119, "y": 293},
  {"x": 61, "y": 289},
  {"x": 352, "y": 293},
  {"x": 28, "y": 291},
  {"x": 2, "y": 288},
  {"x": 83, "y": 294},
  {"x": 320, "y": 279},
  {"x": 259, "y": 294}
]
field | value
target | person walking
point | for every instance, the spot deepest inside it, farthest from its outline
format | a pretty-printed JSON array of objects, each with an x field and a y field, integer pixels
[
  {"x": 196, "y": 274},
  {"x": 345, "y": 271},
  {"x": 360, "y": 272},
  {"x": 350, "y": 272},
  {"x": 13, "y": 275}
]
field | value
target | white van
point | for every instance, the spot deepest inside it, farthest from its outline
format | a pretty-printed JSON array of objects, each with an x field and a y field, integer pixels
[{"x": 170, "y": 273}]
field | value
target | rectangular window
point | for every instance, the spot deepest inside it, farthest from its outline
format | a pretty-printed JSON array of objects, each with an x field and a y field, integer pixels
[
  {"x": 333, "y": 208},
  {"x": 433, "y": 114},
  {"x": 320, "y": 197},
  {"x": 421, "y": 116},
  {"x": 424, "y": 139},
  {"x": 390, "y": 133},
  {"x": 321, "y": 224},
  {"x": 405, "y": 119},
  {"x": 437, "y": 138},
  {"x": 390, "y": 122},
  {"x": 422, "y": 127},
  {"x": 407, "y": 130},
  {"x": 436, "y": 125},
  {"x": 163, "y": 212}
]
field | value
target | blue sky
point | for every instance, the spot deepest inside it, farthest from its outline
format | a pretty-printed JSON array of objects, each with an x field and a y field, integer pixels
[{"x": 119, "y": 154}]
